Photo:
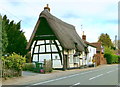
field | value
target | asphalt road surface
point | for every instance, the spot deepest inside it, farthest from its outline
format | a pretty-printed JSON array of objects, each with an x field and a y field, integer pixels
[{"x": 101, "y": 76}]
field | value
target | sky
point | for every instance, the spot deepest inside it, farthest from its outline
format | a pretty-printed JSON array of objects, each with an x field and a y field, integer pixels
[{"x": 95, "y": 16}]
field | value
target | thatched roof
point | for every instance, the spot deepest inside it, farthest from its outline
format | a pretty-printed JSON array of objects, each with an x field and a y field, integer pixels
[{"x": 65, "y": 33}]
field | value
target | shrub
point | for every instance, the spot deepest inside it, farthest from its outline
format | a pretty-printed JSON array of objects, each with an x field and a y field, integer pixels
[
  {"x": 28, "y": 67},
  {"x": 111, "y": 58},
  {"x": 119, "y": 59},
  {"x": 12, "y": 63},
  {"x": 108, "y": 57},
  {"x": 15, "y": 61},
  {"x": 114, "y": 59}
]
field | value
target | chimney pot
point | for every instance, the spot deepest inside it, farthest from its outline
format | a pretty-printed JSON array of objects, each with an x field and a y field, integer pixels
[
  {"x": 84, "y": 36},
  {"x": 47, "y": 7}
]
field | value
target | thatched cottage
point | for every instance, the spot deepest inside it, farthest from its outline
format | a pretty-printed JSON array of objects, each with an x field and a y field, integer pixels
[{"x": 56, "y": 40}]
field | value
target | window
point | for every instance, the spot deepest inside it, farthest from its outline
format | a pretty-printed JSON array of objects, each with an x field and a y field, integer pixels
[
  {"x": 90, "y": 49},
  {"x": 71, "y": 58},
  {"x": 41, "y": 42},
  {"x": 35, "y": 58},
  {"x": 56, "y": 56},
  {"x": 36, "y": 49},
  {"x": 42, "y": 48},
  {"x": 54, "y": 49},
  {"x": 44, "y": 56},
  {"x": 47, "y": 41},
  {"x": 76, "y": 59},
  {"x": 48, "y": 48},
  {"x": 38, "y": 42}
]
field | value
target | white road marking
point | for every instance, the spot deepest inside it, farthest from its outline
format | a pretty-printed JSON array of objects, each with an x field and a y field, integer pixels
[
  {"x": 77, "y": 84},
  {"x": 110, "y": 71},
  {"x": 73, "y": 75},
  {"x": 95, "y": 76}
]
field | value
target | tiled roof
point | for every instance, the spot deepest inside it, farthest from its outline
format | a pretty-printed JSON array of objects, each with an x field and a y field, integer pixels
[{"x": 98, "y": 45}]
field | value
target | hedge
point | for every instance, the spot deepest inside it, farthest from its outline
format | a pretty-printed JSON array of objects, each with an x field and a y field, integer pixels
[
  {"x": 112, "y": 59},
  {"x": 28, "y": 67}
]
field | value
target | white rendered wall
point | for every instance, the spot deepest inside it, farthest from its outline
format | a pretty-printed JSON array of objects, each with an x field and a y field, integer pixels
[{"x": 92, "y": 52}]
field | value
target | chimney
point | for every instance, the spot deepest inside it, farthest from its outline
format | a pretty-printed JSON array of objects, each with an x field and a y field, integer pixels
[
  {"x": 47, "y": 8},
  {"x": 84, "y": 36}
]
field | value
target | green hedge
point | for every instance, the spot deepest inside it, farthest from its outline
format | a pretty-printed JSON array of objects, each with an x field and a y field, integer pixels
[
  {"x": 108, "y": 58},
  {"x": 112, "y": 59},
  {"x": 28, "y": 67}
]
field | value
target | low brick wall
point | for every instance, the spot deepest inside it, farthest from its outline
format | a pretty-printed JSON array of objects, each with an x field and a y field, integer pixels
[
  {"x": 102, "y": 59},
  {"x": 99, "y": 58}
]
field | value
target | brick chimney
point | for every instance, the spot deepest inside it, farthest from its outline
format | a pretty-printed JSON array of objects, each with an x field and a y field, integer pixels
[
  {"x": 84, "y": 36},
  {"x": 47, "y": 8}
]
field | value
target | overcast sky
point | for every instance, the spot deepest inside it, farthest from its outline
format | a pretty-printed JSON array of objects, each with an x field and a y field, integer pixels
[{"x": 96, "y": 16}]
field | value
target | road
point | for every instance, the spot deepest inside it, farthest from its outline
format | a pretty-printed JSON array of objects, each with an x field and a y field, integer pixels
[{"x": 101, "y": 76}]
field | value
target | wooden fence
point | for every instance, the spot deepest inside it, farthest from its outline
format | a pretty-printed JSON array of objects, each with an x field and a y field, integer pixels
[
  {"x": 8, "y": 72},
  {"x": 0, "y": 69},
  {"x": 47, "y": 67},
  {"x": 0, "y": 72}
]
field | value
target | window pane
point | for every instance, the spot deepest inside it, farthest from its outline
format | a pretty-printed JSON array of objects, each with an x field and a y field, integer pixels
[
  {"x": 47, "y": 41},
  {"x": 44, "y": 56},
  {"x": 35, "y": 58},
  {"x": 42, "y": 48},
  {"x": 54, "y": 49},
  {"x": 36, "y": 49},
  {"x": 71, "y": 58},
  {"x": 56, "y": 56},
  {"x": 48, "y": 48},
  {"x": 57, "y": 64},
  {"x": 41, "y": 42},
  {"x": 38, "y": 42}
]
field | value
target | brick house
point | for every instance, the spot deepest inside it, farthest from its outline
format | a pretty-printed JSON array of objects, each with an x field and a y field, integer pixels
[{"x": 99, "y": 57}]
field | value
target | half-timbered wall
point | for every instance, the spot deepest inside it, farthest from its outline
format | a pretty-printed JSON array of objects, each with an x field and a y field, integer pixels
[{"x": 49, "y": 50}]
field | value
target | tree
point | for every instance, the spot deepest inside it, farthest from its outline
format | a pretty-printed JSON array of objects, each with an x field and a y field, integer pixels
[
  {"x": 0, "y": 35},
  {"x": 16, "y": 39},
  {"x": 4, "y": 34},
  {"x": 109, "y": 50},
  {"x": 105, "y": 39}
]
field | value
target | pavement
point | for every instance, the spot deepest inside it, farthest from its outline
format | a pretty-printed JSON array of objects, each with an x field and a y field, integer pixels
[
  {"x": 28, "y": 73},
  {"x": 30, "y": 78}
]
